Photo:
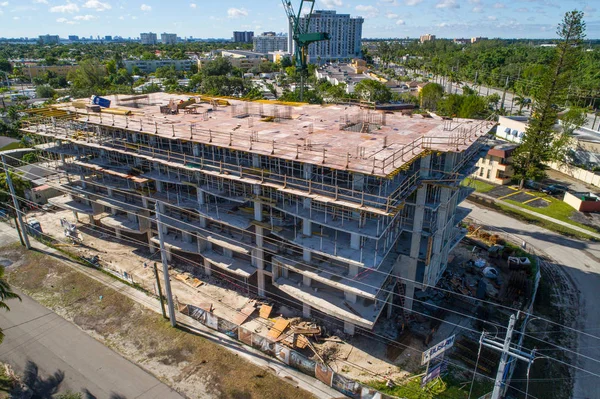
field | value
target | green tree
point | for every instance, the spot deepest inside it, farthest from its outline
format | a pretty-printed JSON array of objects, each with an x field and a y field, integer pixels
[
  {"x": 537, "y": 145},
  {"x": 5, "y": 293},
  {"x": 44, "y": 91},
  {"x": 220, "y": 66},
  {"x": 430, "y": 95},
  {"x": 87, "y": 79},
  {"x": 373, "y": 90},
  {"x": 521, "y": 101},
  {"x": 5, "y": 66}
]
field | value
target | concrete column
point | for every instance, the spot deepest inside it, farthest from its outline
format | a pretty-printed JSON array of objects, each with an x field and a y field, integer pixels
[
  {"x": 117, "y": 233},
  {"x": 144, "y": 202},
  {"x": 207, "y": 270},
  {"x": 196, "y": 150},
  {"x": 425, "y": 166},
  {"x": 186, "y": 237},
  {"x": 354, "y": 240},
  {"x": 306, "y": 281},
  {"x": 305, "y": 310},
  {"x": 410, "y": 293},
  {"x": 76, "y": 216},
  {"x": 358, "y": 181},
  {"x": 227, "y": 252},
  {"x": 348, "y": 328},
  {"x": 255, "y": 161},
  {"x": 306, "y": 203},
  {"x": 82, "y": 179},
  {"x": 110, "y": 191},
  {"x": 258, "y": 208},
  {"x": 91, "y": 220},
  {"x": 306, "y": 227},
  {"x": 201, "y": 198},
  {"x": 276, "y": 269},
  {"x": 169, "y": 255},
  {"x": 306, "y": 255},
  {"x": 450, "y": 161},
  {"x": 308, "y": 170},
  {"x": 151, "y": 247},
  {"x": 390, "y": 306},
  {"x": 202, "y": 222},
  {"x": 352, "y": 270},
  {"x": 350, "y": 297},
  {"x": 158, "y": 185},
  {"x": 259, "y": 259}
]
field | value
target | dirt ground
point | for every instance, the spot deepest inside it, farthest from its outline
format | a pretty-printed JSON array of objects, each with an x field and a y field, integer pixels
[
  {"x": 189, "y": 363},
  {"x": 357, "y": 358}
]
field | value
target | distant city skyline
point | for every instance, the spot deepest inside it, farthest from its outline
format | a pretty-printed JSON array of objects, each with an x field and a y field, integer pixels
[{"x": 199, "y": 19}]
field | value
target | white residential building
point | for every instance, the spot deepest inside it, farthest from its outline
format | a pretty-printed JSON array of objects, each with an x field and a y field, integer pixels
[
  {"x": 266, "y": 43},
  {"x": 168, "y": 38},
  {"x": 345, "y": 36},
  {"x": 148, "y": 38}
]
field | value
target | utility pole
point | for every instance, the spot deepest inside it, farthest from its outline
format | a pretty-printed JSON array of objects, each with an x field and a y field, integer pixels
[
  {"x": 507, "y": 352},
  {"x": 163, "y": 256},
  {"x": 15, "y": 203},
  {"x": 504, "y": 94},
  {"x": 160, "y": 295}
]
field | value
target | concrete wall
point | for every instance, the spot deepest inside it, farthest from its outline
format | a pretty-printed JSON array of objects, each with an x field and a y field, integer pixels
[
  {"x": 489, "y": 167},
  {"x": 574, "y": 199},
  {"x": 577, "y": 173}
]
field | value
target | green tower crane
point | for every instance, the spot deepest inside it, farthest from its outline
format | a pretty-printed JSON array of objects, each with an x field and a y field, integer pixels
[{"x": 302, "y": 38}]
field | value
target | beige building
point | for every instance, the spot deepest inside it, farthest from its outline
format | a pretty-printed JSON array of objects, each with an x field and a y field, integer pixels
[
  {"x": 33, "y": 71},
  {"x": 427, "y": 38},
  {"x": 496, "y": 167}
]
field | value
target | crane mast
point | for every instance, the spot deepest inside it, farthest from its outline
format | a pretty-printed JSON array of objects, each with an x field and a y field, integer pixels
[{"x": 302, "y": 38}]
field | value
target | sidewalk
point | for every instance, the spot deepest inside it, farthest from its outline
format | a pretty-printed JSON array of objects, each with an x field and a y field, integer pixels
[
  {"x": 489, "y": 198},
  {"x": 315, "y": 387}
]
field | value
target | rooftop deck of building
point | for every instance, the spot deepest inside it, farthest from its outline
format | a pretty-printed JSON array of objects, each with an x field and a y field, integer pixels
[{"x": 345, "y": 137}]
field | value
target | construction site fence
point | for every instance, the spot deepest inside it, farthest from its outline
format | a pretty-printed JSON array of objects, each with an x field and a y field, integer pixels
[{"x": 285, "y": 354}]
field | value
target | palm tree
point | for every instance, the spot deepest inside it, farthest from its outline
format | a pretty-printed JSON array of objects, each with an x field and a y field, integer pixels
[
  {"x": 522, "y": 101},
  {"x": 5, "y": 293}
]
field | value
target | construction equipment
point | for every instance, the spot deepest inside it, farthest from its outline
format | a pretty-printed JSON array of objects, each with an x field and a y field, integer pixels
[
  {"x": 70, "y": 230},
  {"x": 301, "y": 37}
]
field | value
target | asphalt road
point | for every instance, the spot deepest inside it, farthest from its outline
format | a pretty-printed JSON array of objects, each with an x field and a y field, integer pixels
[
  {"x": 581, "y": 261},
  {"x": 35, "y": 334}
]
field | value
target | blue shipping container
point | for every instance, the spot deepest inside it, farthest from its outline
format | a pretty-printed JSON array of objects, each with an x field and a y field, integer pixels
[{"x": 103, "y": 102}]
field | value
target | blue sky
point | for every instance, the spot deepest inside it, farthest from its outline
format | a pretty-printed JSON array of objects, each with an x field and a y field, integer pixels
[{"x": 209, "y": 18}]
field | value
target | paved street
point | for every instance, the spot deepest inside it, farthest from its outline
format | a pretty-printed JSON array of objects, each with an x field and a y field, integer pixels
[
  {"x": 581, "y": 261},
  {"x": 35, "y": 333}
]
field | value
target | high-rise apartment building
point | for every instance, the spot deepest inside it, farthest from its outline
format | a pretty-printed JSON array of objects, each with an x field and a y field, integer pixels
[
  {"x": 345, "y": 35},
  {"x": 168, "y": 38},
  {"x": 73, "y": 38},
  {"x": 243, "y": 36},
  {"x": 148, "y": 38},
  {"x": 269, "y": 42},
  {"x": 49, "y": 39},
  {"x": 341, "y": 211},
  {"x": 427, "y": 38}
]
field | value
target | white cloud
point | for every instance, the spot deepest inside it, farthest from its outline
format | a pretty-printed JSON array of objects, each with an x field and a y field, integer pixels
[
  {"x": 400, "y": 22},
  {"x": 121, "y": 17},
  {"x": 146, "y": 7},
  {"x": 16, "y": 18},
  {"x": 62, "y": 20},
  {"x": 443, "y": 25},
  {"x": 499, "y": 5},
  {"x": 236, "y": 12},
  {"x": 477, "y": 9},
  {"x": 193, "y": 5},
  {"x": 97, "y": 5},
  {"x": 65, "y": 8},
  {"x": 329, "y": 4},
  {"x": 391, "y": 15},
  {"x": 86, "y": 17},
  {"x": 475, "y": 1},
  {"x": 491, "y": 18},
  {"x": 447, "y": 4},
  {"x": 412, "y": 2},
  {"x": 522, "y": 9},
  {"x": 40, "y": 1},
  {"x": 134, "y": 17},
  {"x": 4, "y": 4},
  {"x": 369, "y": 11}
]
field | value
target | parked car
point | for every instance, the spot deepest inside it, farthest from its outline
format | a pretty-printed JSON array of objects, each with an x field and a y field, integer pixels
[
  {"x": 554, "y": 189},
  {"x": 49, "y": 207}
]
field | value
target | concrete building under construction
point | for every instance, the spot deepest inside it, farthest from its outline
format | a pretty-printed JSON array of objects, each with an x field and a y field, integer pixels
[{"x": 337, "y": 208}]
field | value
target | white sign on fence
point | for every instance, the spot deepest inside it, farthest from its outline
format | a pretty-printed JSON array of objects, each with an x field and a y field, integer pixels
[{"x": 437, "y": 350}]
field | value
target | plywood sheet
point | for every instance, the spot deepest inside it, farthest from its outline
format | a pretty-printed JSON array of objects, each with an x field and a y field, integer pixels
[{"x": 278, "y": 328}]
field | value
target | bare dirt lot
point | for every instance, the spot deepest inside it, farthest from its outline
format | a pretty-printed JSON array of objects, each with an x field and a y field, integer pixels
[{"x": 194, "y": 366}]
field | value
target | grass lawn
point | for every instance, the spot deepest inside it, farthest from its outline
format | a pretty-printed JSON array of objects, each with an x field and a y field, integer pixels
[
  {"x": 556, "y": 209},
  {"x": 478, "y": 185},
  {"x": 11, "y": 146},
  {"x": 187, "y": 362},
  {"x": 446, "y": 388}
]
